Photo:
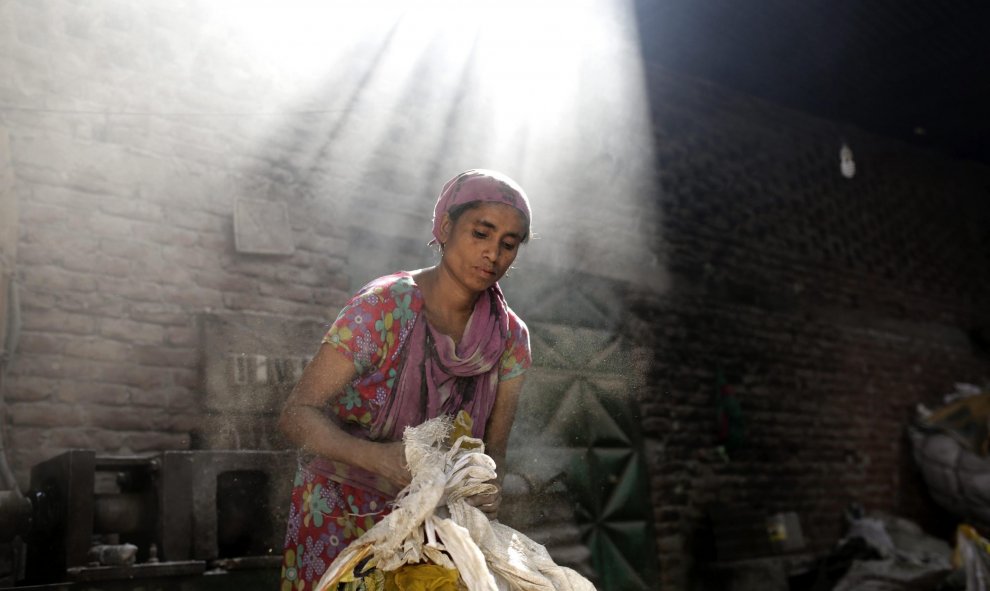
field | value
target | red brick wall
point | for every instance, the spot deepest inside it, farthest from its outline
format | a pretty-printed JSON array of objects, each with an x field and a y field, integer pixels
[
  {"x": 132, "y": 130},
  {"x": 833, "y": 306},
  {"x": 109, "y": 351}
]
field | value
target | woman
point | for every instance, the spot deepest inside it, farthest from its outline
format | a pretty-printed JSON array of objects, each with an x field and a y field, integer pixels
[{"x": 408, "y": 347}]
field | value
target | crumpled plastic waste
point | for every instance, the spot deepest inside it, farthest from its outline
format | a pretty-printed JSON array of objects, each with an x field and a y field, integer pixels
[
  {"x": 972, "y": 554},
  {"x": 431, "y": 523},
  {"x": 950, "y": 447},
  {"x": 890, "y": 552}
]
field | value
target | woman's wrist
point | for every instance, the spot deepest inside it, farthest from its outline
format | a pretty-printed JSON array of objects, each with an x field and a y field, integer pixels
[{"x": 363, "y": 454}]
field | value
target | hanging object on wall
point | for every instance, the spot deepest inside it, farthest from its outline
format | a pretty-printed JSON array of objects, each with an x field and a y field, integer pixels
[
  {"x": 846, "y": 163},
  {"x": 731, "y": 426}
]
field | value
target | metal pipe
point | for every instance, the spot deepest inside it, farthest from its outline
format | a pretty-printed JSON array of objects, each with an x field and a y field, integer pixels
[{"x": 15, "y": 515}]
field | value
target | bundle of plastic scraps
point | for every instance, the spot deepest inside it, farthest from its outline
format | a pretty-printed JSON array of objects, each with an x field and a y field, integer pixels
[
  {"x": 951, "y": 448},
  {"x": 433, "y": 540},
  {"x": 972, "y": 555}
]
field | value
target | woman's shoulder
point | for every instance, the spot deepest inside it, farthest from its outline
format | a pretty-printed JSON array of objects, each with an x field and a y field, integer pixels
[
  {"x": 395, "y": 285},
  {"x": 517, "y": 326}
]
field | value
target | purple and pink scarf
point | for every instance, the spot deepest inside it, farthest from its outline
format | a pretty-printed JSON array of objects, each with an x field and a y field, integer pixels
[{"x": 436, "y": 377}]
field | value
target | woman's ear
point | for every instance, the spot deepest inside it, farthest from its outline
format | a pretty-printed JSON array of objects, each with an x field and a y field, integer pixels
[{"x": 446, "y": 227}]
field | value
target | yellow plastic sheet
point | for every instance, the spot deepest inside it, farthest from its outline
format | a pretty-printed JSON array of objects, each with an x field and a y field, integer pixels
[{"x": 423, "y": 577}]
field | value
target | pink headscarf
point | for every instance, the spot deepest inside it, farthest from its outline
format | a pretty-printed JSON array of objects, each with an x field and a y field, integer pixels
[
  {"x": 435, "y": 376},
  {"x": 479, "y": 185}
]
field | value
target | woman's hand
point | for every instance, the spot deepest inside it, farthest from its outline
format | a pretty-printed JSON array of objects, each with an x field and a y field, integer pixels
[
  {"x": 488, "y": 504},
  {"x": 497, "y": 439},
  {"x": 391, "y": 463}
]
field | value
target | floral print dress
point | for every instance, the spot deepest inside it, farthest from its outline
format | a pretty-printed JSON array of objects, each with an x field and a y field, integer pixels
[{"x": 328, "y": 512}]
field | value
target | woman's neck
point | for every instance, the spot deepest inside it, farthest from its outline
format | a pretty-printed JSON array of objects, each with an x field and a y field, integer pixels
[
  {"x": 443, "y": 293},
  {"x": 447, "y": 303}
]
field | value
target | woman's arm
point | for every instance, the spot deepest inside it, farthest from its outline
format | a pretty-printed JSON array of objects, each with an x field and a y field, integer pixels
[
  {"x": 497, "y": 439},
  {"x": 501, "y": 419},
  {"x": 304, "y": 422}
]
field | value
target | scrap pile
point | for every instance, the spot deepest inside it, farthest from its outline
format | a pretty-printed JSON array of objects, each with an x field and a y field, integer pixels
[{"x": 950, "y": 448}]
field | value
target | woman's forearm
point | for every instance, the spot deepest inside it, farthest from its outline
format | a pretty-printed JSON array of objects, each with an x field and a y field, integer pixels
[
  {"x": 303, "y": 419},
  {"x": 312, "y": 431}
]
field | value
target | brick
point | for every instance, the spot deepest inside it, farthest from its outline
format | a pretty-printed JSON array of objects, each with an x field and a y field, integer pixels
[
  {"x": 332, "y": 298},
  {"x": 286, "y": 292},
  {"x": 166, "y": 314},
  {"x": 187, "y": 421},
  {"x": 323, "y": 245},
  {"x": 253, "y": 266},
  {"x": 199, "y": 221},
  {"x": 130, "y": 374},
  {"x": 116, "y": 418},
  {"x": 184, "y": 399},
  {"x": 44, "y": 414},
  {"x": 131, "y": 331},
  {"x": 29, "y": 438},
  {"x": 164, "y": 234},
  {"x": 133, "y": 208},
  {"x": 132, "y": 289},
  {"x": 157, "y": 397},
  {"x": 56, "y": 321},
  {"x": 97, "y": 265},
  {"x": 190, "y": 257},
  {"x": 40, "y": 366},
  {"x": 298, "y": 276},
  {"x": 191, "y": 297},
  {"x": 98, "y": 440},
  {"x": 25, "y": 388},
  {"x": 42, "y": 214},
  {"x": 24, "y": 438},
  {"x": 222, "y": 281},
  {"x": 258, "y": 303},
  {"x": 162, "y": 356},
  {"x": 109, "y": 225},
  {"x": 96, "y": 304},
  {"x": 181, "y": 336},
  {"x": 176, "y": 398},
  {"x": 84, "y": 392},
  {"x": 126, "y": 246},
  {"x": 148, "y": 442},
  {"x": 44, "y": 343},
  {"x": 97, "y": 348},
  {"x": 43, "y": 152},
  {"x": 53, "y": 279},
  {"x": 187, "y": 378}
]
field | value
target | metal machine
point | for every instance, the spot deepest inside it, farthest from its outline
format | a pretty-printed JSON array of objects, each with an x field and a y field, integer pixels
[{"x": 171, "y": 519}]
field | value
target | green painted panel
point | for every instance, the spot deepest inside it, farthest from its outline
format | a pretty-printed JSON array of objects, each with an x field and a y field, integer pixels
[
  {"x": 628, "y": 499},
  {"x": 579, "y": 418},
  {"x": 617, "y": 569},
  {"x": 614, "y": 511}
]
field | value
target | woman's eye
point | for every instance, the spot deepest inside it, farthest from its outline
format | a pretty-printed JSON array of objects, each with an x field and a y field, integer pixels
[
  {"x": 508, "y": 246},
  {"x": 478, "y": 234}
]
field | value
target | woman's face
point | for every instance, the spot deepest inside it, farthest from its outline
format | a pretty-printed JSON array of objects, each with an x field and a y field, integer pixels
[{"x": 481, "y": 245}]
